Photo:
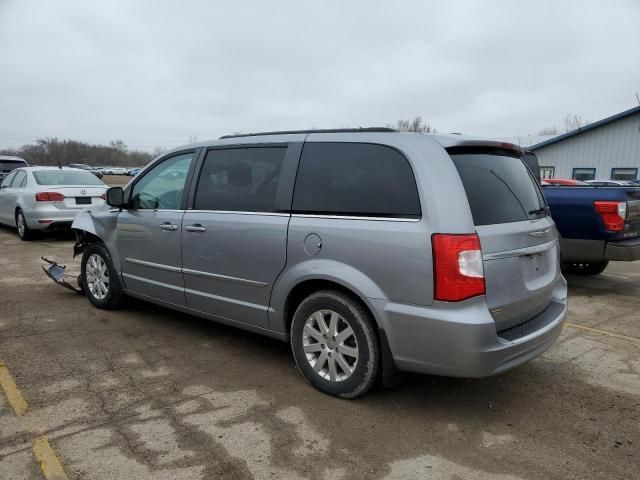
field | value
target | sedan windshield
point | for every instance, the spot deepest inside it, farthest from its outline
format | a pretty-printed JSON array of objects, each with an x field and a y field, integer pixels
[{"x": 66, "y": 177}]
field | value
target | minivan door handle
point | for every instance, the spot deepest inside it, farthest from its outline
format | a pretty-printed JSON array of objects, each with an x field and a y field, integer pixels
[
  {"x": 195, "y": 228},
  {"x": 168, "y": 227}
]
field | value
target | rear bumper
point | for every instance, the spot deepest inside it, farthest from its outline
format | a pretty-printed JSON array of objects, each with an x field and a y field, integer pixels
[
  {"x": 45, "y": 216},
  {"x": 576, "y": 250},
  {"x": 460, "y": 339},
  {"x": 625, "y": 250}
]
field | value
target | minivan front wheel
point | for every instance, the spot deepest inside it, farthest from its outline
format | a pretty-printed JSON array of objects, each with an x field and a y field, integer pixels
[
  {"x": 99, "y": 279},
  {"x": 335, "y": 345}
]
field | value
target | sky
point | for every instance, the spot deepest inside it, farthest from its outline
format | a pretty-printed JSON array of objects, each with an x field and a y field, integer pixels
[{"x": 162, "y": 73}]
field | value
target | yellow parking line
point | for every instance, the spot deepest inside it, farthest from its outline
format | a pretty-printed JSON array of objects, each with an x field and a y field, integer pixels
[
  {"x": 16, "y": 400},
  {"x": 49, "y": 463},
  {"x": 46, "y": 457},
  {"x": 603, "y": 332}
]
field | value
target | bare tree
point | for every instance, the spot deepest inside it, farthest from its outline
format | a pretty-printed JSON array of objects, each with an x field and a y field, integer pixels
[
  {"x": 571, "y": 122},
  {"x": 416, "y": 125},
  {"x": 552, "y": 130}
]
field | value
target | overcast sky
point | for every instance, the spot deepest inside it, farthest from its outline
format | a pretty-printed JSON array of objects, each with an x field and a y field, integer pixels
[{"x": 156, "y": 73}]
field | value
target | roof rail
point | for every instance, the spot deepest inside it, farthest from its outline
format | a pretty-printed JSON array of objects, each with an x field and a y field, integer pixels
[{"x": 319, "y": 130}]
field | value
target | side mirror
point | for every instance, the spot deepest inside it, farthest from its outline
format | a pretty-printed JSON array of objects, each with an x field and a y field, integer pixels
[{"x": 115, "y": 197}]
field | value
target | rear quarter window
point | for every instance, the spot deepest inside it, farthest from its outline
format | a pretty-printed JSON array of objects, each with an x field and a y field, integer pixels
[
  {"x": 357, "y": 179},
  {"x": 499, "y": 187}
]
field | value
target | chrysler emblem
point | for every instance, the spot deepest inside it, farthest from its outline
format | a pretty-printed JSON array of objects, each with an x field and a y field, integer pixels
[{"x": 83, "y": 192}]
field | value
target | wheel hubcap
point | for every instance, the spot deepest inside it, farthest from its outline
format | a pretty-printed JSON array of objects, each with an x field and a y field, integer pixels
[
  {"x": 21, "y": 224},
  {"x": 330, "y": 345},
  {"x": 97, "y": 276}
]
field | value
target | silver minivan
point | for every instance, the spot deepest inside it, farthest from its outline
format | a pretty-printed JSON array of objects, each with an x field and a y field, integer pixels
[{"x": 371, "y": 251}]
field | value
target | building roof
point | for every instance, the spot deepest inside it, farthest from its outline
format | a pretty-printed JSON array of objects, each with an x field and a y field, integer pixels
[{"x": 587, "y": 128}]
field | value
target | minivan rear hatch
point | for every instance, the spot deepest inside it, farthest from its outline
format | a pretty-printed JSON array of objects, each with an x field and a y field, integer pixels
[{"x": 518, "y": 238}]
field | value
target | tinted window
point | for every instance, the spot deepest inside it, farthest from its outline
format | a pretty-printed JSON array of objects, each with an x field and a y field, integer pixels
[
  {"x": 162, "y": 186},
  {"x": 355, "y": 179},
  {"x": 20, "y": 179},
  {"x": 65, "y": 177},
  {"x": 240, "y": 179},
  {"x": 500, "y": 188},
  {"x": 8, "y": 165}
]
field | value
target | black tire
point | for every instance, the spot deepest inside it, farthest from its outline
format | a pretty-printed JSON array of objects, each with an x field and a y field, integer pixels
[
  {"x": 591, "y": 268},
  {"x": 114, "y": 296},
  {"x": 365, "y": 367},
  {"x": 24, "y": 232}
]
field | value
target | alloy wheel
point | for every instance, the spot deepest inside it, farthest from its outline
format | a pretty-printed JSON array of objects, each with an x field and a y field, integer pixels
[
  {"x": 330, "y": 345},
  {"x": 97, "y": 276}
]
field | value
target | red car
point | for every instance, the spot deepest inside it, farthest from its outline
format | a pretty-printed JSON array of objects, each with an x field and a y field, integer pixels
[{"x": 567, "y": 182}]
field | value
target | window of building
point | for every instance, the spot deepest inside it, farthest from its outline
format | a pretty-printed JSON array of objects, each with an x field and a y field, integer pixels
[
  {"x": 624, "y": 174},
  {"x": 358, "y": 179},
  {"x": 547, "y": 172},
  {"x": 240, "y": 179},
  {"x": 584, "y": 174}
]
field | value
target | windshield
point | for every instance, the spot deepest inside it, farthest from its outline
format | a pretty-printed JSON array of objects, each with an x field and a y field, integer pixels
[
  {"x": 8, "y": 165},
  {"x": 66, "y": 177},
  {"x": 499, "y": 187}
]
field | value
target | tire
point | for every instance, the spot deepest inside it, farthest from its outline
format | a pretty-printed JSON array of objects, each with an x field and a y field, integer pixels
[
  {"x": 101, "y": 286},
  {"x": 24, "y": 232},
  {"x": 592, "y": 268},
  {"x": 341, "y": 374}
]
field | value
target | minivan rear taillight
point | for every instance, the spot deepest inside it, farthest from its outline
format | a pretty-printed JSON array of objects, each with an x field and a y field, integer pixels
[
  {"x": 49, "y": 197},
  {"x": 457, "y": 266},
  {"x": 613, "y": 214}
]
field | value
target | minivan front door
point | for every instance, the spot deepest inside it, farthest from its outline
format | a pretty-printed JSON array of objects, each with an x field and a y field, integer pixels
[
  {"x": 149, "y": 232},
  {"x": 234, "y": 239}
]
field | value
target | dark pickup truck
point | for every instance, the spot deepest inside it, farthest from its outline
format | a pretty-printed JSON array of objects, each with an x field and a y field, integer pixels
[{"x": 596, "y": 225}]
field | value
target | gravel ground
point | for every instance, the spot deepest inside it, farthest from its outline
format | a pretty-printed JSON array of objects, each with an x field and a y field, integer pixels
[{"x": 148, "y": 393}]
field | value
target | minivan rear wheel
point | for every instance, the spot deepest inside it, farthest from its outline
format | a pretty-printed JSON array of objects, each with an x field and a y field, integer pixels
[{"x": 335, "y": 345}]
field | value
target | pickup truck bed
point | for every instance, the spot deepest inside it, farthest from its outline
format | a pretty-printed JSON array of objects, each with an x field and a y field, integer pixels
[{"x": 596, "y": 224}]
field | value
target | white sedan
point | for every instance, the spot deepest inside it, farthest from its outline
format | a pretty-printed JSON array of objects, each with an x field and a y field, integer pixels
[{"x": 47, "y": 198}]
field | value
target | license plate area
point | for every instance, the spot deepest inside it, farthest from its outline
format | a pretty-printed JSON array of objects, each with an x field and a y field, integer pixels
[{"x": 83, "y": 200}]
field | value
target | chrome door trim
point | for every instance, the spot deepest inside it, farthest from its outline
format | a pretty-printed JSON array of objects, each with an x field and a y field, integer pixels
[
  {"x": 228, "y": 212},
  {"x": 216, "y": 276},
  {"x": 159, "y": 266},
  {"x": 519, "y": 252},
  {"x": 349, "y": 217}
]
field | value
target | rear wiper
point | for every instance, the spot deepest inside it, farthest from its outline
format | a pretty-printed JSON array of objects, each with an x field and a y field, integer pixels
[{"x": 539, "y": 211}]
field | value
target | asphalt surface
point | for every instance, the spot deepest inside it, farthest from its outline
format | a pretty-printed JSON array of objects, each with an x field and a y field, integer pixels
[{"x": 147, "y": 393}]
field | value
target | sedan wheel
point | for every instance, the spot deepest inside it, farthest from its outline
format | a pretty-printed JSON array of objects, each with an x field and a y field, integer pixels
[{"x": 21, "y": 224}]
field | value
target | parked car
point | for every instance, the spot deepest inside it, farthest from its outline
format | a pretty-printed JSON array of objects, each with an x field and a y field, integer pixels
[
  {"x": 423, "y": 253},
  {"x": 7, "y": 164},
  {"x": 132, "y": 172},
  {"x": 597, "y": 225},
  {"x": 609, "y": 183},
  {"x": 89, "y": 168},
  {"x": 47, "y": 198},
  {"x": 567, "y": 182},
  {"x": 117, "y": 171}
]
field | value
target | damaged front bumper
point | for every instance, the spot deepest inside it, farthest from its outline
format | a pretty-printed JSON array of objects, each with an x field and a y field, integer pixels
[{"x": 56, "y": 273}]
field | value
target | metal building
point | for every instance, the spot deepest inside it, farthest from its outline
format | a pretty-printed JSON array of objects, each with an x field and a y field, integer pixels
[{"x": 606, "y": 149}]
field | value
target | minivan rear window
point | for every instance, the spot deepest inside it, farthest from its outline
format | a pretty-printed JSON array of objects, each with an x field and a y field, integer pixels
[
  {"x": 499, "y": 187},
  {"x": 357, "y": 179}
]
